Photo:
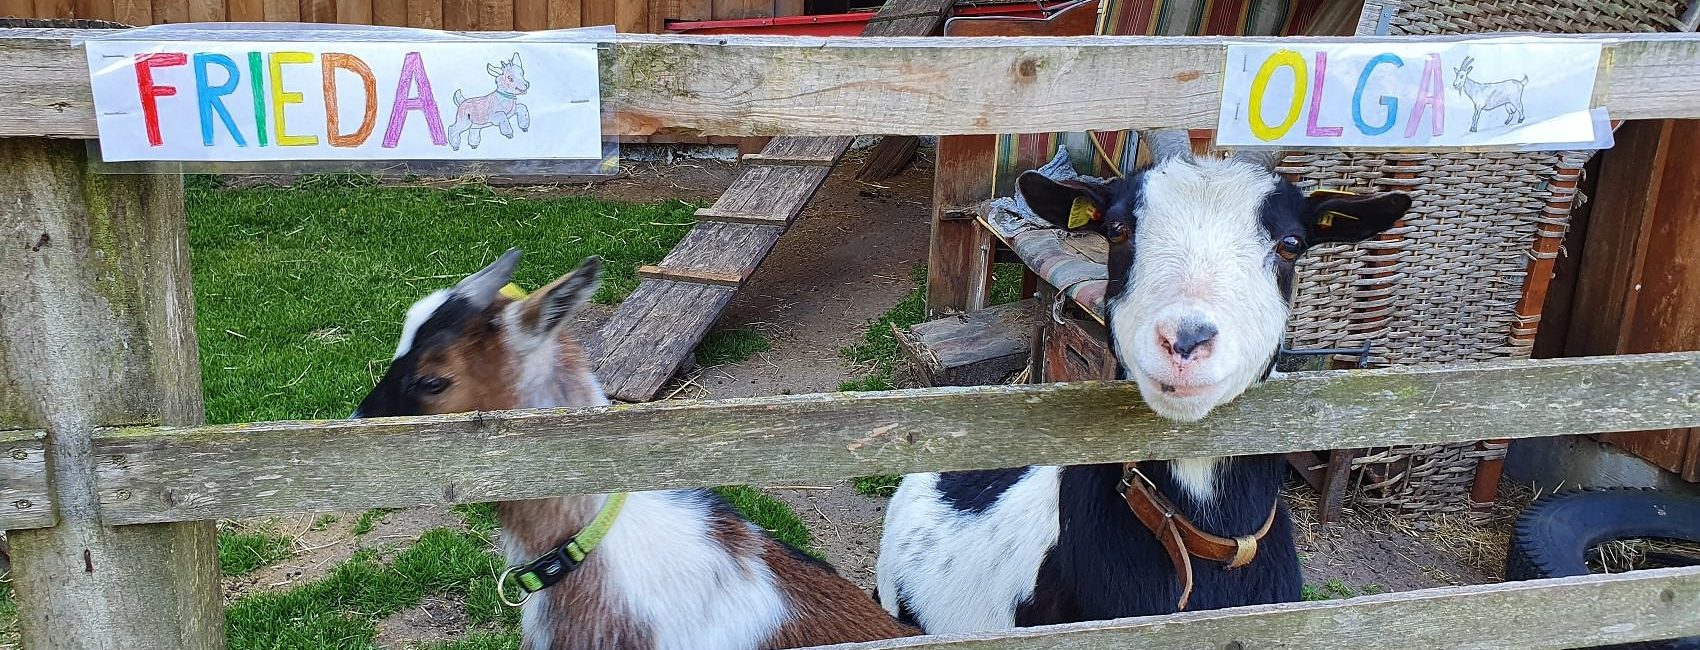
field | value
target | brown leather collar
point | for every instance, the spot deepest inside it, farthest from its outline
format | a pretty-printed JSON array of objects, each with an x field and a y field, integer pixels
[{"x": 1179, "y": 536}]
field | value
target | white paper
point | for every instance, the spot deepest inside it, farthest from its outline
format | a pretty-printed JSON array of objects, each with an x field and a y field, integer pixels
[
  {"x": 1519, "y": 93},
  {"x": 547, "y": 106}
]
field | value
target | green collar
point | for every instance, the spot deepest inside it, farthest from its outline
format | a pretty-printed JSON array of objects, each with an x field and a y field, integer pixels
[
  {"x": 499, "y": 92},
  {"x": 541, "y": 573}
]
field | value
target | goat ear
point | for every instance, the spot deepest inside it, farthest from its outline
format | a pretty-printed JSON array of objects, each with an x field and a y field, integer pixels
[
  {"x": 515, "y": 61},
  {"x": 1343, "y": 217},
  {"x": 492, "y": 69},
  {"x": 480, "y": 289},
  {"x": 547, "y": 308},
  {"x": 1056, "y": 201}
]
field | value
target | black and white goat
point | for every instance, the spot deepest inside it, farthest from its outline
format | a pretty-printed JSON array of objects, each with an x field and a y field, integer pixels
[
  {"x": 1200, "y": 280},
  {"x": 678, "y": 568}
]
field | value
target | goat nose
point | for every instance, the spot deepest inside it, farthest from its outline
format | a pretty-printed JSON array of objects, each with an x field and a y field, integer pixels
[{"x": 1192, "y": 337}]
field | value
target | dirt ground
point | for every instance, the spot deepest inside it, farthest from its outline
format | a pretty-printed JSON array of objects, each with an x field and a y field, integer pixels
[{"x": 846, "y": 261}]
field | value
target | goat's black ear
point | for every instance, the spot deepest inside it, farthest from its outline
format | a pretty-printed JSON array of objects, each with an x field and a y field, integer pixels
[
  {"x": 548, "y": 307},
  {"x": 1056, "y": 201},
  {"x": 1342, "y": 217}
]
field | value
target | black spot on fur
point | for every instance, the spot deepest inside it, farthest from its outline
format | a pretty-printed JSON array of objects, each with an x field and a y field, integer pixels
[
  {"x": 1108, "y": 565},
  {"x": 394, "y": 395},
  {"x": 1282, "y": 214},
  {"x": 975, "y": 491}
]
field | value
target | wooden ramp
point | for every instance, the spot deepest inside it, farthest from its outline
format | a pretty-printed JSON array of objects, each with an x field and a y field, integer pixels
[{"x": 679, "y": 299}]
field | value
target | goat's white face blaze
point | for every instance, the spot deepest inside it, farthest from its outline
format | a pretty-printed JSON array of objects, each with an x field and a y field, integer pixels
[{"x": 1201, "y": 313}]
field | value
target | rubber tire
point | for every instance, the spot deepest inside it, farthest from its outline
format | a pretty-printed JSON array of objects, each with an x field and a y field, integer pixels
[{"x": 1552, "y": 536}]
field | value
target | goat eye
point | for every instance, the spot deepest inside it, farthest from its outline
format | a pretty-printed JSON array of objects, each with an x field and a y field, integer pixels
[
  {"x": 1289, "y": 248},
  {"x": 1116, "y": 231},
  {"x": 432, "y": 385}
]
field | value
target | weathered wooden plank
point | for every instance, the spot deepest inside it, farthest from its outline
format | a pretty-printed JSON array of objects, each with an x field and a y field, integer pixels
[
  {"x": 391, "y": 13},
  {"x": 686, "y": 275},
  {"x": 495, "y": 15},
  {"x": 772, "y": 191},
  {"x": 531, "y": 15},
  {"x": 98, "y": 330},
  {"x": 427, "y": 14},
  {"x": 758, "y": 86},
  {"x": 150, "y": 475},
  {"x": 1573, "y": 612},
  {"x": 207, "y": 11},
  {"x": 723, "y": 248},
  {"x": 564, "y": 13},
  {"x": 757, "y": 219},
  {"x": 652, "y": 332},
  {"x": 959, "y": 276},
  {"x": 810, "y": 148},
  {"x": 973, "y": 349},
  {"x": 354, "y": 12},
  {"x": 759, "y": 158},
  {"x": 24, "y": 494}
]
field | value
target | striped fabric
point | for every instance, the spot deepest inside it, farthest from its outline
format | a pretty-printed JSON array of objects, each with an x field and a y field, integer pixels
[{"x": 1020, "y": 152}]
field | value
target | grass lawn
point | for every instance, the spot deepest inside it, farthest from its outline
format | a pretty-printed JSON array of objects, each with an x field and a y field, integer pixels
[{"x": 300, "y": 292}]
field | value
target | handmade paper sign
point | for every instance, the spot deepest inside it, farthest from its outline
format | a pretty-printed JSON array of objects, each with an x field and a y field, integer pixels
[
  {"x": 268, "y": 101},
  {"x": 1525, "y": 93}
]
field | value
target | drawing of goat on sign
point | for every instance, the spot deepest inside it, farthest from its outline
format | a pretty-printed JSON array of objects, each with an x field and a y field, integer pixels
[
  {"x": 496, "y": 109},
  {"x": 1489, "y": 96}
]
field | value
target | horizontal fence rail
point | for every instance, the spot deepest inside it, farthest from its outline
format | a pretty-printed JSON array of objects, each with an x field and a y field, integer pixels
[
  {"x": 1576, "y": 612},
  {"x": 223, "y": 472},
  {"x": 767, "y": 86}
]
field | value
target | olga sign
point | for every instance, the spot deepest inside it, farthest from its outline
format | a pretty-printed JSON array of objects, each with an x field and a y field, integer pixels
[
  {"x": 344, "y": 100},
  {"x": 1520, "y": 93}
]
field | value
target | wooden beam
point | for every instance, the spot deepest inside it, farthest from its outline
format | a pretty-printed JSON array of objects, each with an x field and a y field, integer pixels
[
  {"x": 688, "y": 275},
  {"x": 99, "y": 329},
  {"x": 1528, "y": 615},
  {"x": 227, "y": 472},
  {"x": 764, "y": 159},
  {"x": 753, "y": 218},
  {"x": 895, "y": 86}
]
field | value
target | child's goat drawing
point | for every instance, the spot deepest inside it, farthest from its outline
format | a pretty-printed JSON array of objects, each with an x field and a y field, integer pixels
[
  {"x": 474, "y": 115},
  {"x": 1489, "y": 96}
]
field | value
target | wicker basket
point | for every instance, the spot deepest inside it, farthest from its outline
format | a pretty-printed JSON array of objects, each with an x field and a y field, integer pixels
[{"x": 1464, "y": 276}]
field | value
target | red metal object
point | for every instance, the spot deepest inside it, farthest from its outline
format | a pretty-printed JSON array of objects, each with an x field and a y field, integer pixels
[{"x": 847, "y": 24}]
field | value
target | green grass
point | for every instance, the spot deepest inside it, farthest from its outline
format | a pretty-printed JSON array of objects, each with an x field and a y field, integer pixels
[
  {"x": 504, "y": 640},
  {"x": 769, "y": 513},
  {"x": 240, "y": 554},
  {"x": 877, "y": 486},
  {"x": 370, "y": 519},
  {"x": 300, "y": 291},
  {"x": 1334, "y": 589},
  {"x": 480, "y": 517},
  {"x": 878, "y": 348},
  {"x": 730, "y": 346},
  {"x": 339, "y": 610},
  {"x": 8, "y": 615}
]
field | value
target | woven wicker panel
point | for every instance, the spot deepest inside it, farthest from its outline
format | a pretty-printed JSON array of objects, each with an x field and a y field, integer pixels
[
  {"x": 1550, "y": 16},
  {"x": 1444, "y": 287}
]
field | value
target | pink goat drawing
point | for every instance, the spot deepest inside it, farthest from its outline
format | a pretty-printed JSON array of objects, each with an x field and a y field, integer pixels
[{"x": 496, "y": 109}]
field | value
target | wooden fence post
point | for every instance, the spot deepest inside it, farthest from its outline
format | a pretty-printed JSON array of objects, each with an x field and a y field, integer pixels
[{"x": 97, "y": 328}]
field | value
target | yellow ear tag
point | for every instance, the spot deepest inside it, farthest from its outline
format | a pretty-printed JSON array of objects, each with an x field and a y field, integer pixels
[
  {"x": 1326, "y": 219},
  {"x": 513, "y": 291},
  {"x": 1081, "y": 213}
]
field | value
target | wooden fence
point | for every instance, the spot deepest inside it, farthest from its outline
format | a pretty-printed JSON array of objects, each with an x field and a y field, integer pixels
[
  {"x": 631, "y": 16},
  {"x": 110, "y": 488}
]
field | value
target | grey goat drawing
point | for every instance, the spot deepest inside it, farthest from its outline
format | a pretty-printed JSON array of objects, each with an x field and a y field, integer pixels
[{"x": 1489, "y": 96}]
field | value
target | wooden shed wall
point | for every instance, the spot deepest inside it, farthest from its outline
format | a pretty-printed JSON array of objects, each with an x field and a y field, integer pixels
[{"x": 632, "y": 16}]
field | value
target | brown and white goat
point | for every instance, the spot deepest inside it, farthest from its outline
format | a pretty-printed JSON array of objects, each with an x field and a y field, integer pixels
[{"x": 678, "y": 568}]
